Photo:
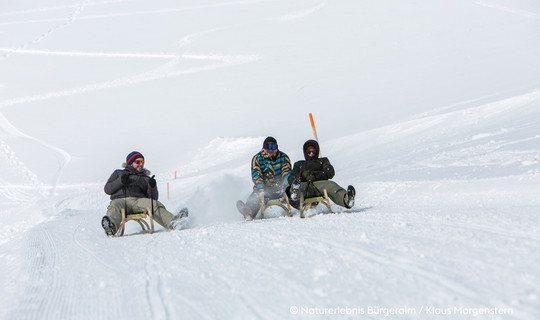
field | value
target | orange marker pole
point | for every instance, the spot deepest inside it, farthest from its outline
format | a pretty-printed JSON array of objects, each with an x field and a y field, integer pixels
[
  {"x": 314, "y": 130},
  {"x": 175, "y": 174},
  {"x": 167, "y": 191}
]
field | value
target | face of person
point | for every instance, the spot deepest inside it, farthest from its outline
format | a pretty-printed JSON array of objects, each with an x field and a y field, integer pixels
[
  {"x": 311, "y": 152},
  {"x": 138, "y": 164},
  {"x": 270, "y": 148},
  {"x": 270, "y": 152}
]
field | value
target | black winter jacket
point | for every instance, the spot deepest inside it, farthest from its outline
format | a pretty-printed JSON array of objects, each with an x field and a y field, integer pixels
[
  {"x": 313, "y": 168},
  {"x": 137, "y": 186}
]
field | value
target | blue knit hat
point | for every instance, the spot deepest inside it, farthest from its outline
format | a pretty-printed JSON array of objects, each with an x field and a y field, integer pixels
[{"x": 132, "y": 156}]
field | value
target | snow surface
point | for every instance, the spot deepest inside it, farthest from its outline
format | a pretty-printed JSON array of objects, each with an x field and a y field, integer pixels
[{"x": 431, "y": 109}]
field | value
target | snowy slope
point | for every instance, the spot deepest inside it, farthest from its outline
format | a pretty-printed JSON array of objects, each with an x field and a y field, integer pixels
[{"x": 431, "y": 109}]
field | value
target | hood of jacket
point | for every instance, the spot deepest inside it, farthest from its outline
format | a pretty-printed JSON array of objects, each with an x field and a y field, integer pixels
[{"x": 314, "y": 144}]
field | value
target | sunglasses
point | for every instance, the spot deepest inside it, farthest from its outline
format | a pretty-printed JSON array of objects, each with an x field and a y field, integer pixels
[
  {"x": 270, "y": 146},
  {"x": 138, "y": 161},
  {"x": 311, "y": 151}
]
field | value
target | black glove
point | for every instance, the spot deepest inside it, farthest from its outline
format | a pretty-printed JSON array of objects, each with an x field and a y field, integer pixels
[
  {"x": 124, "y": 179},
  {"x": 152, "y": 182},
  {"x": 308, "y": 176},
  {"x": 294, "y": 190},
  {"x": 320, "y": 175}
]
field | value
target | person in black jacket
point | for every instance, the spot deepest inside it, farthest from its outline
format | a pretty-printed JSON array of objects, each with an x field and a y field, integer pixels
[
  {"x": 132, "y": 188},
  {"x": 312, "y": 175}
]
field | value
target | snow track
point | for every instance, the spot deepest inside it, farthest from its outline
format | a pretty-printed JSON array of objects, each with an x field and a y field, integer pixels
[
  {"x": 170, "y": 69},
  {"x": 384, "y": 256},
  {"x": 66, "y": 22},
  {"x": 527, "y": 14}
]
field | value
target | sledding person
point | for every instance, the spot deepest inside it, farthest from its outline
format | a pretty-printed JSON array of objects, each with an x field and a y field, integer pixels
[
  {"x": 270, "y": 169},
  {"x": 132, "y": 188},
  {"x": 312, "y": 176}
]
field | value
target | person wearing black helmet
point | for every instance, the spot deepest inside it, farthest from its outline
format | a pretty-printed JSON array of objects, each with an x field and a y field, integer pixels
[
  {"x": 270, "y": 169},
  {"x": 312, "y": 175}
]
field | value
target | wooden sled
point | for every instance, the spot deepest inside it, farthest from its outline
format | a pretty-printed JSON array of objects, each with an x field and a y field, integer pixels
[
  {"x": 139, "y": 218},
  {"x": 308, "y": 203},
  {"x": 283, "y": 203}
]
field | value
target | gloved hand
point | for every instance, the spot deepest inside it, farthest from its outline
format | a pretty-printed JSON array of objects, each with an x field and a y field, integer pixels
[
  {"x": 152, "y": 182},
  {"x": 320, "y": 175},
  {"x": 124, "y": 179},
  {"x": 295, "y": 189},
  {"x": 308, "y": 176}
]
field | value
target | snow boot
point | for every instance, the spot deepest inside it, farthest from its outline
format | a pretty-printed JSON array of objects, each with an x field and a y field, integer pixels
[
  {"x": 348, "y": 198},
  {"x": 178, "y": 221},
  {"x": 244, "y": 210},
  {"x": 108, "y": 226}
]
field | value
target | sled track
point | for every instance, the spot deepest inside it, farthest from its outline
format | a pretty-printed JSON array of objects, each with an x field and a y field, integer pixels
[
  {"x": 81, "y": 245},
  {"x": 406, "y": 268},
  {"x": 60, "y": 285},
  {"x": 256, "y": 268},
  {"x": 215, "y": 283},
  {"x": 53, "y": 290},
  {"x": 363, "y": 256},
  {"x": 154, "y": 283},
  {"x": 41, "y": 296}
]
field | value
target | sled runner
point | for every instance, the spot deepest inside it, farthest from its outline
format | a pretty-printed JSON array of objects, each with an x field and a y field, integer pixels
[
  {"x": 308, "y": 203},
  {"x": 282, "y": 203},
  {"x": 139, "y": 218}
]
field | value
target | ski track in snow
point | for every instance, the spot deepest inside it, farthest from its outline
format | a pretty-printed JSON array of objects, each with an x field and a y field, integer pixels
[
  {"x": 9, "y": 131},
  {"x": 93, "y": 54},
  {"x": 506, "y": 9},
  {"x": 146, "y": 12},
  {"x": 66, "y": 22},
  {"x": 166, "y": 71},
  {"x": 55, "y": 8},
  {"x": 16, "y": 163}
]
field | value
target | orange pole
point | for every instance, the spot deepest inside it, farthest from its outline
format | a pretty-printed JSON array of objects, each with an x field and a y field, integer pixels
[
  {"x": 313, "y": 127},
  {"x": 314, "y": 130},
  {"x": 167, "y": 191},
  {"x": 312, "y": 122},
  {"x": 175, "y": 174}
]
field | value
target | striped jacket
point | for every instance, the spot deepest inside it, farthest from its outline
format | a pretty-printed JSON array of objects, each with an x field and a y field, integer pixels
[{"x": 269, "y": 171}]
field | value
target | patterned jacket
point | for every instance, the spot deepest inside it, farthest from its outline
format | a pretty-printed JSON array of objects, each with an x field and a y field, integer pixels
[{"x": 270, "y": 171}]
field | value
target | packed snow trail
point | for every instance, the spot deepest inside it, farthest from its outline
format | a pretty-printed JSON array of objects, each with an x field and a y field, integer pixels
[{"x": 385, "y": 257}]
